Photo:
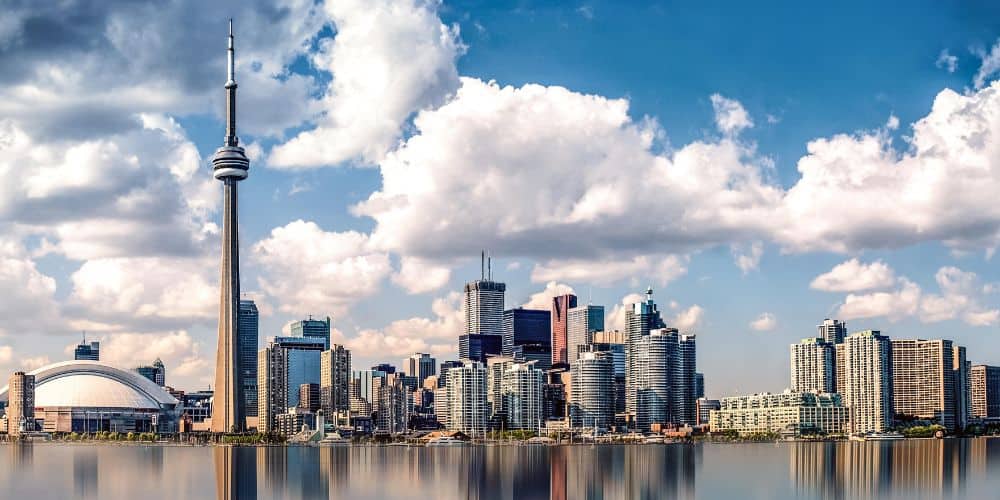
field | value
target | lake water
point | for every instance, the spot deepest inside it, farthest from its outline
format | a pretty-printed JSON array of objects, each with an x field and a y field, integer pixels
[{"x": 951, "y": 468}]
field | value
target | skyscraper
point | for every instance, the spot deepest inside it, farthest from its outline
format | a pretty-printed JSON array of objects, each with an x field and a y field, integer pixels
[
  {"x": 312, "y": 328},
  {"x": 684, "y": 386},
  {"x": 155, "y": 372},
  {"x": 592, "y": 393},
  {"x": 640, "y": 319},
  {"x": 392, "y": 404},
  {"x": 283, "y": 365},
  {"x": 230, "y": 165},
  {"x": 560, "y": 311},
  {"x": 478, "y": 347},
  {"x": 814, "y": 366},
  {"x": 248, "y": 333},
  {"x": 335, "y": 380},
  {"x": 928, "y": 381},
  {"x": 420, "y": 365},
  {"x": 984, "y": 391},
  {"x": 521, "y": 396},
  {"x": 468, "y": 410},
  {"x": 20, "y": 403},
  {"x": 483, "y": 306},
  {"x": 652, "y": 356},
  {"x": 832, "y": 330},
  {"x": 526, "y": 327},
  {"x": 581, "y": 323},
  {"x": 867, "y": 387},
  {"x": 87, "y": 352}
]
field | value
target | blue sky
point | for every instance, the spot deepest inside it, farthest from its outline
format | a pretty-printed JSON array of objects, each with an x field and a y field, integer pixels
[{"x": 758, "y": 166}]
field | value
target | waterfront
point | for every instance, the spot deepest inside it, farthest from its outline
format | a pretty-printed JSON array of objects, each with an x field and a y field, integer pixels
[{"x": 950, "y": 468}]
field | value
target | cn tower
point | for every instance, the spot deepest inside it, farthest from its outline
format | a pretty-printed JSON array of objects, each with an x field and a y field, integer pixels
[{"x": 230, "y": 165}]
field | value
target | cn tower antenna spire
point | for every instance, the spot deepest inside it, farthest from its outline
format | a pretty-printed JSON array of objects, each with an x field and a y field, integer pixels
[{"x": 231, "y": 139}]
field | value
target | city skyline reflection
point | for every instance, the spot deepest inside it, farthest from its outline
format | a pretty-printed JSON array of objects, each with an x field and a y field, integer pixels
[{"x": 947, "y": 468}]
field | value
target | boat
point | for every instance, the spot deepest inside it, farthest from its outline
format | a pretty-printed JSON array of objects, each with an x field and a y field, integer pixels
[
  {"x": 879, "y": 436},
  {"x": 334, "y": 439},
  {"x": 445, "y": 441}
]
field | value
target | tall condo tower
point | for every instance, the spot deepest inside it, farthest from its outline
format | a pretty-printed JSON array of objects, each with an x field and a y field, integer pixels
[{"x": 230, "y": 165}]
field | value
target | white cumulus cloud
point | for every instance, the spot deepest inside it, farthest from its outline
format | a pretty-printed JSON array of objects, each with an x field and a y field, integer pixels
[{"x": 855, "y": 276}]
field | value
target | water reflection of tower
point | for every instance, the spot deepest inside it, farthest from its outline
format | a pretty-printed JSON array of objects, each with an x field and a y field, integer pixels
[
  {"x": 517, "y": 472},
  {"x": 233, "y": 477},
  {"x": 813, "y": 469},
  {"x": 557, "y": 474},
  {"x": 85, "y": 464},
  {"x": 472, "y": 461},
  {"x": 21, "y": 457}
]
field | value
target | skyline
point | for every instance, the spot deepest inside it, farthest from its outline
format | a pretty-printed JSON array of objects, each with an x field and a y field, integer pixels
[{"x": 737, "y": 220}]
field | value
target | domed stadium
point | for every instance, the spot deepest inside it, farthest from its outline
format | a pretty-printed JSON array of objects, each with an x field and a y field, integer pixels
[{"x": 90, "y": 396}]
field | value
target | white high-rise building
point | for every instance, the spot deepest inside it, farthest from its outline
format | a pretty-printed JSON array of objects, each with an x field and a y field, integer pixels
[
  {"x": 592, "y": 393},
  {"x": 640, "y": 319},
  {"x": 930, "y": 381},
  {"x": 496, "y": 366},
  {"x": 814, "y": 366},
  {"x": 521, "y": 393},
  {"x": 581, "y": 324},
  {"x": 652, "y": 375},
  {"x": 484, "y": 305},
  {"x": 867, "y": 387},
  {"x": 468, "y": 410}
]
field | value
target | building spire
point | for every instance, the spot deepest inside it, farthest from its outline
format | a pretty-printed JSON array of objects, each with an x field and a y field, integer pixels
[{"x": 231, "y": 139}]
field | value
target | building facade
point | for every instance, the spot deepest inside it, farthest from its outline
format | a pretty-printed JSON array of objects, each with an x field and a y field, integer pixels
[
  {"x": 929, "y": 382},
  {"x": 814, "y": 366},
  {"x": 335, "y": 380},
  {"x": 312, "y": 329},
  {"x": 832, "y": 330},
  {"x": 20, "y": 404},
  {"x": 789, "y": 413},
  {"x": 468, "y": 408},
  {"x": 527, "y": 336},
  {"x": 156, "y": 372},
  {"x": 284, "y": 365},
  {"x": 478, "y": 347},
  {"x": 984, "y": 389},
  {"x": 581, "y": 324},
  {"x": 640, "y": 319},
  {"x": 394, "y": 402},
  {"x": 591, "y": 391},
  {"x": 484, "y": 306},
  {"x": 420, "y": 365},
  {"x": 867, "y": 388},
  {"x": 560, "y": 322},
  {"x": 521, "y": 396},
  {"x": 248, "y": 331},
  {"x": 87, "y": 351}
]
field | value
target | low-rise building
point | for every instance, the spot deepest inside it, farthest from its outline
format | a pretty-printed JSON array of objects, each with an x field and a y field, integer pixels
[{"x": 788, "y": 413}]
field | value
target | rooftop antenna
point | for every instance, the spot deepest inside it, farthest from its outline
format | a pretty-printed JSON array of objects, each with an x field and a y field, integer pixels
[
  {"x": 489, "y": 268},
  {"x": 482, "y": 265}
]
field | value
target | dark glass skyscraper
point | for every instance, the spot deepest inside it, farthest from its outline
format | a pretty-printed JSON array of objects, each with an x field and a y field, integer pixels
[
  {"x": 313, "y": 328},
  {"x": 525, "y": 326},
  {"x": 640, "y": 319},
  {"x": 248, "y": 326},
  {"x": 478, "y": 347},
  {"x": 155, "y": 372},
  {"x": 87, "y": 352}
]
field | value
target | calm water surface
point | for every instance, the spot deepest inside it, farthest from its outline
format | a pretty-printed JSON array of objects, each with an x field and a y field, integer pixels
[{"x": 952, "y": 468}]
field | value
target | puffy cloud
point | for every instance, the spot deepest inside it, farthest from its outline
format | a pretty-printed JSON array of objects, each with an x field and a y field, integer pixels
[
  {"x": 388, "y": 60},
  {"x": 418, "y": 334},
  {"x": 940, "y": 189},
  {"x": 615, "y": 319},
  {"x": 29, "y": 303},
  {"x": 946, "y": 61},
  {"x": 748, "y": 256},
  {"x": 418, "y": 275},
  {"x": 687, "y": 319},
  {"x": 180, "y": 352},
  {"x": 307, "y": 269},
  {"x": 543, "y": 299},
  {"x": 661, "y": 270},
  {"x": 989, "y": 67},
  {"x": 730, "y": 115},
  {"x": 961, "y": 297},
  {"x": 145, "y": 293},
  {"x": 854, "y": 276},
  {"x": 603, "y": 196},
  {"x": 34, "y": 362},
  {"x": 764, "y": 323}
]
